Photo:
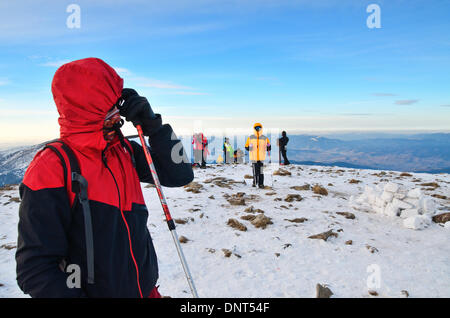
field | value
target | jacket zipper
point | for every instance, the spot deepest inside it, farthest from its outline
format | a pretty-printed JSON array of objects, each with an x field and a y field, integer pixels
[{"x": 125, "y": 222}]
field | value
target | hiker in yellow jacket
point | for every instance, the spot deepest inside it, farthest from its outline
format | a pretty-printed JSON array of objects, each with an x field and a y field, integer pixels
[{"x": 257, "y": 145}]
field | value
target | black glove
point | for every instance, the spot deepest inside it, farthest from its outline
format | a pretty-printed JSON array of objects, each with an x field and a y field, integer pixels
[{"x": 137, "y": 109}]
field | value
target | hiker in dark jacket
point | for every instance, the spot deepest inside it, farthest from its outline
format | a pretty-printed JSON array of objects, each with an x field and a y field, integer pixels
[
  {"x": 282, "y": 143},
  {"x": 52, "y": 225}
]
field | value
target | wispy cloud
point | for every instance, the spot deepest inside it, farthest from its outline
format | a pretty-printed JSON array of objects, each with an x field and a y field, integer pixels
[
  {"x": 189, "y": 93},
  {"x": 122, "y": 71},
  {"x": 150, "y": 82},
  {"x": 55, "y": 63},
  {"x": 4, "y": 82},
  {"x": 446, "y": 105},
  {"x": 383, "y": 94},
  {"x": 406, "y": 101},
  {"x": 169, "y": 87}
]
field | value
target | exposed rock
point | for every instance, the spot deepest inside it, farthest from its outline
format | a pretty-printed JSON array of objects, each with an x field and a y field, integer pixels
[
  {"x": 405, "y": 292},
  {"x": 193, "y": 187},
  {"x": 247, "y": 176},
  {"x": 236, "y": 200},
  {"x": 373, "y": 293},
  {"x": 430, "y": 184},
  {"x": 347, "y": 215},
  {"x": 349, "y": 242},
  {"x": 317, "y": 189},
  {"x": 251, "y": 209},
  {"x": 372, "y": 249},
  {"x": 248, "y": 217},
  {"x": 261, "y": 221},
  {"x": 305, "y": 187},
  {"x": 7, "y": 187},
  {"x": 354, "y": 181},
  {"x": 270, "y": 193},
  {"x": 223, "y": 182},
  {"x": 442, "y": 218},
  {"x": 297, "y": 220},
  {"x": 281, "y": 172},
  {"x": 211, "y": 250},
  {"x": 293, "y": 197},
  {"x": 226, "y": 252},
  {"x": 183, "y": 239},
  {"x": 211, "y": 197},
  {"x": 322, "y": 291},
  {"x": 8, "y": 246},
  {"x": 323, "y": 236},
  {"x": 405, "y": 174},
  {"x": 180, "y": 221},
  {"x": 236, "y": 225},
  {"x": 439, "y": 196}
]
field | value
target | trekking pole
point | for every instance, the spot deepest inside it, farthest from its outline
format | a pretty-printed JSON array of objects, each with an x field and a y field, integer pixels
[{"x": 165, "y": 208}]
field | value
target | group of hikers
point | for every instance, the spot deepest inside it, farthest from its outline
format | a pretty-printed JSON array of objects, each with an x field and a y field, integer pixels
[
  {"x": 257, "y": 146},
  {"x": 81, "y": 196}
]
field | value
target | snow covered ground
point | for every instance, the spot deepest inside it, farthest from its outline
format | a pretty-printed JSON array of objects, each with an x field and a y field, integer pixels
[{"x": 368, "y": 252}]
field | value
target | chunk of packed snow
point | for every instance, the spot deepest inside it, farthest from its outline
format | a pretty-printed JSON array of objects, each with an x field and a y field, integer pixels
[
  {"x": 391, "y": 187},
  {"x": 387, "y": 196},
  {"x": 418, "y": 222},
  {"x": 428, "y": 206},
  {"x": 409, "y": 213},
  {"x": 401, "y": 204},
  {"x": 399, "y": 196},
  {"x": 447, "y": 225},
  {"x": 391, "y": 210},
  {"x": 415, "y": 193}
]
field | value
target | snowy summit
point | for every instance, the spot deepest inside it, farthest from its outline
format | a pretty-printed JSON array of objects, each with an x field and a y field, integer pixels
[{"x": 357, "y": 233}]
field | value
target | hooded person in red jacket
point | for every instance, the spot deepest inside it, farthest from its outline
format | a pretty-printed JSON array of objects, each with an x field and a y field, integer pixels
[{"x": 51, "y": 224}]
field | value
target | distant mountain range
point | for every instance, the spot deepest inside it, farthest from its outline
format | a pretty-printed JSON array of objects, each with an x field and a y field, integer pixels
[{"x": 414, "y": 153}]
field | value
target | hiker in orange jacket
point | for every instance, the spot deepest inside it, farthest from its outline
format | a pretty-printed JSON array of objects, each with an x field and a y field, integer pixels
[{"x": 257, "y": 145}]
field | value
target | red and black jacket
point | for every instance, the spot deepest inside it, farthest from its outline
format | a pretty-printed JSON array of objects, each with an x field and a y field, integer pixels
[{"x": 51, "y": 224}]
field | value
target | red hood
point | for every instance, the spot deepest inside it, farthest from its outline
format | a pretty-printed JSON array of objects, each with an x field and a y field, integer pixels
[{"x": 84, "y": 91}]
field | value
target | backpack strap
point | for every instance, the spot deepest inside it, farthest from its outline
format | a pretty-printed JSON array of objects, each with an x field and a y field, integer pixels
[{"x": 79, "y": 187}]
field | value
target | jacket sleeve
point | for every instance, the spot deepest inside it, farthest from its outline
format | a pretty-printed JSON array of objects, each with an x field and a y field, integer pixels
[
  {"x": 44, "y": 221},
  {"x": 247, "y": 144},
  {"x": 170, "y": 160}
]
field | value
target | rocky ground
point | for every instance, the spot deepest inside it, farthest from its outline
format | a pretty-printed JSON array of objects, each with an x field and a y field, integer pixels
[{"x": 298, "y": 237}]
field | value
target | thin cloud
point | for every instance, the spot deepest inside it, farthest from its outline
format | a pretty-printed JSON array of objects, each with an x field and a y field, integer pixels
[
  {"x": 446, "y": 105},
  {"x": 55, "y": 63},
  {"x": 4, "y": 82},
  {"x": 406, "y": 101},
  {"x": 189, "y": 93},
  {"x": 148, "y": 82},
  {"x": 122, "y": 71},
  {"x": 383, "y": 94}
]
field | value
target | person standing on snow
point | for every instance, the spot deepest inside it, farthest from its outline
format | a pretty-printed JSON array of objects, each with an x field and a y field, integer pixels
[
  {"x": 257, "y": 145},
  {"x": 52, "y": 232},
  {"x": 282, "y": 143},
  {"x": 228, "y": 152},
  {"x": 200, "y": 143}
]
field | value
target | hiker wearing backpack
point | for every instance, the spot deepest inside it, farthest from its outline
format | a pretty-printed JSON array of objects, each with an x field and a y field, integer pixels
[
  {"x": 257, "y": 145},
  {"x": 82, "y": 205},
  {"x": 200, "y": 146}
]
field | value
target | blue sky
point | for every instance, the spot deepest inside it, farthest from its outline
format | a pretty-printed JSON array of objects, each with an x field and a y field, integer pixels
[{"x": 306, "y": 66}]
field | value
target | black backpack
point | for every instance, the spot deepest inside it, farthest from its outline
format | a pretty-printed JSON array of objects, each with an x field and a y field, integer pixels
[{"x": 79, "y": 187}]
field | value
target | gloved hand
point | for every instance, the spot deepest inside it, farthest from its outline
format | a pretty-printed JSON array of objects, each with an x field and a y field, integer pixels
[{"x": 137, "y": 109}]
